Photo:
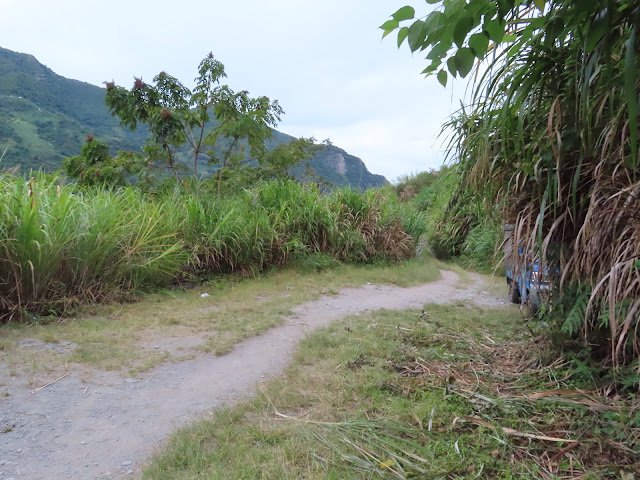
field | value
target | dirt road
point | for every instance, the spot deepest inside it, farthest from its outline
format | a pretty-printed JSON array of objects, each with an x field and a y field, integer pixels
[{"x": 101, "y": 425}]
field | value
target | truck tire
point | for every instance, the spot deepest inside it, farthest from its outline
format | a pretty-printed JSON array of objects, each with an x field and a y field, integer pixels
[
  {"x": 534, "y": 302},
  {"x": 515, "y": 293}
]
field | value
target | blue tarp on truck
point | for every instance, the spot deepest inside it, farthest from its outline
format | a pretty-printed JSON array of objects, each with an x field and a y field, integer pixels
[{"x": 529, "y": 283}]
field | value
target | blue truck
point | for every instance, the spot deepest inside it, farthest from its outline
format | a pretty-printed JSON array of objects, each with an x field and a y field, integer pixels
[{"x": 530, "y": 284}]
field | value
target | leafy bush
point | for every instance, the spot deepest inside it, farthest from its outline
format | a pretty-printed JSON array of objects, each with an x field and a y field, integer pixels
[{"x": 455, "y": 225}]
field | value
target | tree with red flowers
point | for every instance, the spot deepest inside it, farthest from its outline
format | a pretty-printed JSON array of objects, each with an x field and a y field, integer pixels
[{"x": 228, "y": 128}]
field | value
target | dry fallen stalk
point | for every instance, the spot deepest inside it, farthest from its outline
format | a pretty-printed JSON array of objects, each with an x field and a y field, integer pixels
[
  {"x": 563, "y": 451},
  {"x": 51, "y": 383},
  {"x": 512, "y": 432}
]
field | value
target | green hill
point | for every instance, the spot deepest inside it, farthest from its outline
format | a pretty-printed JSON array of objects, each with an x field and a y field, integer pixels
[{"x": 45, "y": 117}]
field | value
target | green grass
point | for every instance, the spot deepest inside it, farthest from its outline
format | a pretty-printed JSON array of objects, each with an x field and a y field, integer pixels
[
  {"x": 61, "y": 248},
  {"x": 391, "y": 395},
  {"x": 122, "y": 336}
]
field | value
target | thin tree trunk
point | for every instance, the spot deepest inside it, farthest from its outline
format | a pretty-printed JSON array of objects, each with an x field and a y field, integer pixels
[{"x": 220, "y": 180}]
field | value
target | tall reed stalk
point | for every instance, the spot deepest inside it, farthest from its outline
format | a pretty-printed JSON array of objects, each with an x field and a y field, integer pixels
[{"x": 551, "y": 138}]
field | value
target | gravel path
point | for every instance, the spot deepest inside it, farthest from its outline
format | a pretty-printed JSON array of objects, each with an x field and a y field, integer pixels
[{"x": 103, "y": 426}]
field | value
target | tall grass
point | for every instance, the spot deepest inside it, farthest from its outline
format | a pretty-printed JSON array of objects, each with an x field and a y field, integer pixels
[
  {"x": 457, "y": 225},
  {"x": 60, "y": 247},
  {"x": 551, "y": 139}
]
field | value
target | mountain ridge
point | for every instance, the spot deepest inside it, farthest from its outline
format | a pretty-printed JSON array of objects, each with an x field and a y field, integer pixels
[{"x": 45, "y": 117}]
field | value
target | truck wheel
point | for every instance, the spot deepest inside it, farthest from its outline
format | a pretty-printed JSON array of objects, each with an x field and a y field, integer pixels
[
  {"x": 515, "y": 293},
  {"x": 534, "y": 303}
]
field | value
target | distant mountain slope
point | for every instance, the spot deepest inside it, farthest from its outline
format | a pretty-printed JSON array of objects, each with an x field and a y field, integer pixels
[{"x": 45, "y": 117}]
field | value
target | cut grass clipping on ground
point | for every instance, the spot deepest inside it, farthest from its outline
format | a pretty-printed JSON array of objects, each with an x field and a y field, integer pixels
[
  {"x": 457, "y": 392},
  {"x": 125, "y": 336}
]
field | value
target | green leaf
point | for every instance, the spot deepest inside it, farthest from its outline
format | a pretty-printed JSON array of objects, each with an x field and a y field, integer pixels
[
  {"x": 540, "y": 4},
  {"x": 389, "y": 26},
  {"x": 442, "y": 77},
  {"x": 432, "y": 22},
  {"x": 595, "y": 33},
  {"x": 432, "y": 2},
  {"x": 417, "y": 35},
  {"x": 504, "y": 6},
  {"x": 553, "y": 30},
  {"x": 464, "y": 60},
  {"x": 438, "y": 51},
  {"x": 433, "y": 66},
  {"x": 402, "y": 34},
  {"x": 480, "y": 7},
  {"x": 495, "y": 30},
  {"x": 462, "y": 28},
  {"x": 451, "y": 65},
  {"x": 404, "y": 13},
  {"x": 479, "y": 42}
]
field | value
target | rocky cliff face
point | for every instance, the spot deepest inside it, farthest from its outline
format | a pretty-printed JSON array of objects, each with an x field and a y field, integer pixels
[{"x": 336, "y": 161}]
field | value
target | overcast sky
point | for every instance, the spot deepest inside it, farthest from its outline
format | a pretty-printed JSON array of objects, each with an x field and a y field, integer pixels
[{"x": 324, "y": 61}]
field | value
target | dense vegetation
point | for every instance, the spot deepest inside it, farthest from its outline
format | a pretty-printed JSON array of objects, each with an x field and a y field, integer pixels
[
  {"x": 45, "y": 117},
  {"x": 551, "y": 141},
  {"x": 61, "y": 247},
  {"x": 458, "y": 226}
]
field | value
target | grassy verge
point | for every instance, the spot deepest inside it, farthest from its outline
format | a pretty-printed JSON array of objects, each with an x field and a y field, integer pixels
[
  {"x": 174, "y": 324},
  {"x": 460, "y": 393}
]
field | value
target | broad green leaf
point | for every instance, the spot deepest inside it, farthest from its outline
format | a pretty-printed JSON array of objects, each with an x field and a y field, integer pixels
[
  {"x": 504, "y": 6},
  {"x": 478, "y": 7},
  {"x": 525, "y": 34},
  {"x": 595, "y": 33},
  {"x": 402, "y": 34},
  {"x": 462, "y": 28},
  {"x": 433, "y": 66},
  {"x": 389, "y": 26},
  {"x": 432, "y": 2},
  {"x": 495, "y": 30},
  {"x": 438, "y": 51},
  {"x": 417, "y": 35},
  {"x": 451, "y": 65},
  {"x": 464, "y": 60},
  {"x": 553, "y": 30},
  {"x": 540, "y": 4},
  {"x": 479, "y": 42},
  {"x": 442, "y": 77},
  {"x": 404, "y": 13},
  {"x": 432, "y": 22}
]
